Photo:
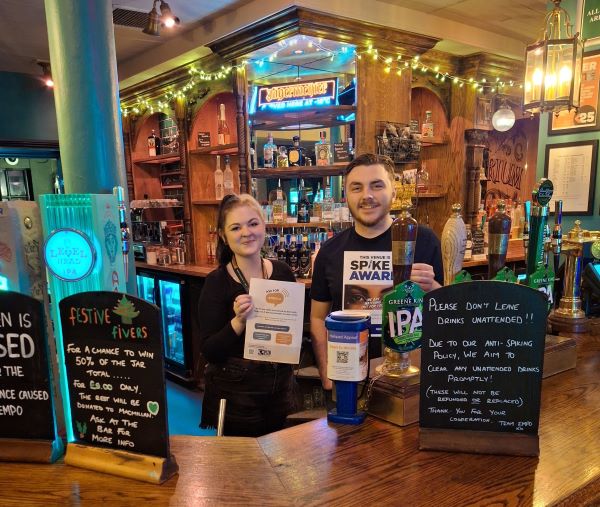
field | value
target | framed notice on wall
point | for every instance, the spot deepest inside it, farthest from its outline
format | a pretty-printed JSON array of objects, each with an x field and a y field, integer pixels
[
  {"x": 590, "y": 22},
  {"x": 585, "y": 117},
  {"x": 572, "y": 169}
]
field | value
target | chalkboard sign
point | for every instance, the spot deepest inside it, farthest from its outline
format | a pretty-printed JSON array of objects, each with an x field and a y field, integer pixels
[
  {"x": 482, "y": 357},
  {"x": 203, "y": 139},
  {"x": 26, "y": 410},
  {"x": 340, "y": 153},
  {"x": 114, "y": 360}
]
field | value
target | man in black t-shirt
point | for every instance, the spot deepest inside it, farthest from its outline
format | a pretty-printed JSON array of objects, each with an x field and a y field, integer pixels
[{"x": 369, "y": 184}]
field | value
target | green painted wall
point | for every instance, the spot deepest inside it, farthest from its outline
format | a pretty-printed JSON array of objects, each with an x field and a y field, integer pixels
[
  {"x": 590, "y": 221},
  {"x": 27, "y": 108}
]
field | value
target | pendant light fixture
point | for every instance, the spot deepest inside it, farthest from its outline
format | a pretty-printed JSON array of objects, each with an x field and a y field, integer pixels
[
  {"x": 166, "y": 18},
  {"x": 553, "y": 66},
  {"x": 504, "y": 117}
]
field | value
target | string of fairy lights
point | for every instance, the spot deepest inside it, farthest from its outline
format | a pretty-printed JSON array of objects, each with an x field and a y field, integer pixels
[{"x": 397, "y": 65}]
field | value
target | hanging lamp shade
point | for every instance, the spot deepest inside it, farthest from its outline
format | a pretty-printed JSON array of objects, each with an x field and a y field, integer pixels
[
  {"x": 504, "y": 118},
  {"x": 153, "y": 22},
  {"x": 553, "y": 66}
]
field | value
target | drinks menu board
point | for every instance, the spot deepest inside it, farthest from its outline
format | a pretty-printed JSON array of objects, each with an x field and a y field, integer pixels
[
  {"x": 25, "y": 397},
  {"x": 114, "y": 360},
  {"x": 482, "y": 357}
]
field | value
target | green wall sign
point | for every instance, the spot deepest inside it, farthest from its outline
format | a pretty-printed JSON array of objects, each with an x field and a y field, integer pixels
[{"x": 590, "y": 19}]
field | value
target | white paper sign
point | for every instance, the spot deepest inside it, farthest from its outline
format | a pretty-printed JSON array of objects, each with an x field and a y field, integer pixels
[
  {"x": 367, "y": 277},
  {"x": 274, "y": 330}
]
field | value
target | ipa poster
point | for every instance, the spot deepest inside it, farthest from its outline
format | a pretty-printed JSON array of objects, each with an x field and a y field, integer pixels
[{"x": 367, "y": 277}]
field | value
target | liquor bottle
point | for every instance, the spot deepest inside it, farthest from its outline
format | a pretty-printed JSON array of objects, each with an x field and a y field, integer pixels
[
  {"x": 427, "y": 127},
  {"x": 282, "y": 157},
  {"x": 303, "y": 212},
  {"x": 350, "y": 149},
  {"x": 279, "y": 206},
  {"x": 153, "y": 144},
  {"x": 469, "y": 244},
  {"x": 304, "y": 258},
  {"x": 498, "y": 234},
  {"x": 328, "y": 204},
  {"x": 228, "y": 177},
  {"x": 454, "y": 238},
  {"x": 219, "y": 186},
  {"x": 322, "y": 150},
  {"x": 317, "y": 207},
  {"x": 292, "y": 256},
  {"x": 404, "y": 236},
  {"x": 295, "y": 155},
  {"x": 281, "y": 251},
  {"x": 269, "y": 150},
  {"x": 252, "y": 156},
  {"x": 223, "y": 135}
]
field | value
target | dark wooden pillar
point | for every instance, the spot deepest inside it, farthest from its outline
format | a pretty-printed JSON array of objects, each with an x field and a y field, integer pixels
[
  {"x": 180, "y": 105},
  {"x": 239, "y": 92},
  {"x": 475, "y": 143}
]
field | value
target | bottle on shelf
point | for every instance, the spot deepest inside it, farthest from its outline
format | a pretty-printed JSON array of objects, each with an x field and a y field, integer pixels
[
  {"x": 252, "y": 156},
  {"x": 317, "y": 207},
  {"x": 228, "y": 177},
  {"x": 303, "y": 212},
  {"x": 292, "y": 256},
  {"x": 422, "y": 179},
  {"x": 469, "y": 244},
  {"x": 295, "y": 154},
  {"x": 279, "y": 206},
  {"x": 427, "y": 127},
  {"x": 223, "y": 135},
  {"x": 328, "y": 205},
  {"x": 282, "y": 157},
  {"x": 269, "y": 150},
  {"x": 499, "y": 232},
  {"x": 350, "y": 149},
  {"x": 153, "y": 144},
  {"x": 282, "y": 251},
  {"x": 219, "y": 181},
  {"x": 304, "y": 258},
  {"x": 404, "y": 237},
  {"x": 322, "y": 150}
]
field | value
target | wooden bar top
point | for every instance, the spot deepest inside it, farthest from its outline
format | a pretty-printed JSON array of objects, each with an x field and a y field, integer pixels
[{"x": 372, "y": 464}]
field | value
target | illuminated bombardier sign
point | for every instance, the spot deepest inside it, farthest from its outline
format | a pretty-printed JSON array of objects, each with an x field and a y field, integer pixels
[
  {"x": 69, "y": 254},
  {"x": 322, "y": 92}
]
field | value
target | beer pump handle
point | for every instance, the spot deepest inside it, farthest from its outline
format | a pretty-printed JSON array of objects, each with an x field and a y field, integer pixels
[
  {"x": 527, "y": 213},
  {"x": 557, "y": 234},
  {"x": 119, "y": 192}
]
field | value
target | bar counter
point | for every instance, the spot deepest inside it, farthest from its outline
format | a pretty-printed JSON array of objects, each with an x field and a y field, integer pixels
[{"x": 375, "y": 463}]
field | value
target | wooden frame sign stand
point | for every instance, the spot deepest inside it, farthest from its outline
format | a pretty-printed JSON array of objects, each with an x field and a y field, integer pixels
[
  {"x": 481, "y": 368},
  {"x": 113, "y": 349},
  {"x": 27, "y": 422}
]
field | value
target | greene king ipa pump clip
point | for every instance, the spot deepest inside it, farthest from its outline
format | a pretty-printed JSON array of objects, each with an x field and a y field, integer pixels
[{"x": 347, "y": 361}]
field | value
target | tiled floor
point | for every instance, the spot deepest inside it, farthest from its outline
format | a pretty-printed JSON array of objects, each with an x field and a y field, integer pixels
[{"x": 185, "y": 407}]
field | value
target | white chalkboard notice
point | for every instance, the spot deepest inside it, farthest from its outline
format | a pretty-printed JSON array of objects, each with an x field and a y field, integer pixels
[
  {"x": 26, "y": 410},
  {"x": 114, "y": 360},
  {"x": 482, "y": 358}
]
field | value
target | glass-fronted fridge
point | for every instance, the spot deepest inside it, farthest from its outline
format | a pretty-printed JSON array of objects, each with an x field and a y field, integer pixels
[{"x": 169, "y": 293}]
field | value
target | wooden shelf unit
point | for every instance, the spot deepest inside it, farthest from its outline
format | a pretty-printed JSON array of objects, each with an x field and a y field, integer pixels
[
  {"x": 309, "y": 171},
  {"x": 221, "y": 149},
  {"x": 202, "y": 164},
  {"x": 169, "y": 158},
  {"x": 309, "y": 225}
]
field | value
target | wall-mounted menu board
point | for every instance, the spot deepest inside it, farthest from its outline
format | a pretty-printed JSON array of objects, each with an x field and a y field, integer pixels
[
  {"x": 482, "y": 357},
  {"x": 25, "y": 397},
  {"x": 114, "y": 360}
]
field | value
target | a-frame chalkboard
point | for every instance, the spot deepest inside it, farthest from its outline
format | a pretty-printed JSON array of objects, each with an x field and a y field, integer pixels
[
  {"x": 113, "y": 352},
  {"x": 27, "y": 422},
  {"x": 481, "y": 368}
]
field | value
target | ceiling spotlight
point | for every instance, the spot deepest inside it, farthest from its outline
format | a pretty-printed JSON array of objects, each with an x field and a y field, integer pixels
[
  {"x": 153, "y": 22},
  {"x": 46, "y": 74},
  {"x": 167, "y": 17}
]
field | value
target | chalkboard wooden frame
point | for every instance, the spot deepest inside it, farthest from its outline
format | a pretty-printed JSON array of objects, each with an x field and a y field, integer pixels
[
  {"x": 482, "y": 362},
  {"x": 114, "y": 358},
  {"x": 31, "y": 437}
]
